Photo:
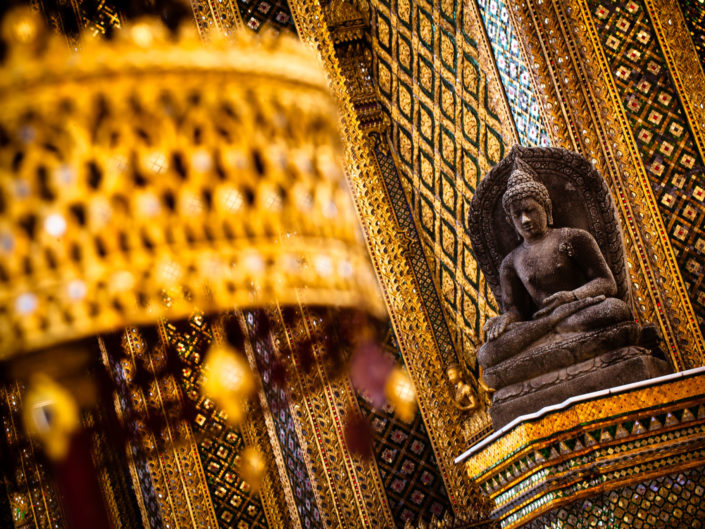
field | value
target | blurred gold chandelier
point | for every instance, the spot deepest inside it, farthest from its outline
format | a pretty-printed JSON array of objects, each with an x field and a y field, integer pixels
[{"x": 144, "y": 177}]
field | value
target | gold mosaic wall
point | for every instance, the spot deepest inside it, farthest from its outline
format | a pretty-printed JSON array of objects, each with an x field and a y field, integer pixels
[
  {"x": 450, "y": 124},
  {"x": 388, "y": 234}
]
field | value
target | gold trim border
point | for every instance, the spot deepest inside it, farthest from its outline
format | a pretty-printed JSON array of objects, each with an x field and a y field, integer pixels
[
  {"x": 683, "y": 63},
  {"x": 189, "y": 490},
  {"x": 258, "y": 430}
]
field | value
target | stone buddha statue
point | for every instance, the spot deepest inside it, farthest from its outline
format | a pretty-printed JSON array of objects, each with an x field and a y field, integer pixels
[{"x": 566, "y": 325}]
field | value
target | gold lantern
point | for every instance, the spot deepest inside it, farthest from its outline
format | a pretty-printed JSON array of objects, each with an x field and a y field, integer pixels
[
  {"x": 149, "y": 176},
  {"x": 144, "y": 177}
]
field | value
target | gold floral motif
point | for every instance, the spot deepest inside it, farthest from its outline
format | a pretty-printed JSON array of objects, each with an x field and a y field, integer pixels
[
  {"x": 216, "y": 18},
  {"x": 33, "y": 494},
  {"x": 272, "y": 494}
]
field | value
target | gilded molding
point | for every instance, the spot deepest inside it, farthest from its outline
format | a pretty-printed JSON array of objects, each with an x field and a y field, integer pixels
[
  {"x": 258, "y": 431},
  {"x": 569, "y": 62},
  {"x": 276, "y": 493},
  {"x": 347, "y": 491},
  {"x": 683, "y": 63},
  {"x": 325, "y": 491},
  {"x": 273, "y": 453},
  {"x": 134, "y": 477},
  {"x": 591, "y": 447},
  {"x": 386, "y": 246}
]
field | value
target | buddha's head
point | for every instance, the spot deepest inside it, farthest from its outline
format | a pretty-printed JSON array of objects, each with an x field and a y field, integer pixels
[{"x": 526, "y": 202}]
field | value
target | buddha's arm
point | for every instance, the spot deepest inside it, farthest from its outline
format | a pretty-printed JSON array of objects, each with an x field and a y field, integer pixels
[
  {"x": 510, "y": 283},
  {"x": 587, "y": 256},
  {"x": 591, "y": 261}
]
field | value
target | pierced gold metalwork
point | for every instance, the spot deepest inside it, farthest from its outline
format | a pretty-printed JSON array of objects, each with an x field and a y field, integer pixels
[{"x": 143, "y": 177}]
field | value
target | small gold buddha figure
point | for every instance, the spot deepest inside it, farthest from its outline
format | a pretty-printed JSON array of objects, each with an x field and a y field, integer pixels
[{"x": 464, "y": 395}]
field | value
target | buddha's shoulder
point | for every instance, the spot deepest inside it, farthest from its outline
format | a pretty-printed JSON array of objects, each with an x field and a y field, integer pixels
[
  {"x": 574, "y": 234},
  {"x": 508, "y": 261}
]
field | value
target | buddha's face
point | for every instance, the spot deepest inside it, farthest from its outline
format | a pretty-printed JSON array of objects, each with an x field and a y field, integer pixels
[{"x": 529, "y": 218}]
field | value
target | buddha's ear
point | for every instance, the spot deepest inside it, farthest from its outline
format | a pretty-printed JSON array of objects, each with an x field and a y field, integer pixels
[{"x": 548, "y": 208}]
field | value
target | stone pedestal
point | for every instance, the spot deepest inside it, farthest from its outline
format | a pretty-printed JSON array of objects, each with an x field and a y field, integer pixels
[
  {"x": 614, "y": 368},
  {"x": 629, "y": 457}
]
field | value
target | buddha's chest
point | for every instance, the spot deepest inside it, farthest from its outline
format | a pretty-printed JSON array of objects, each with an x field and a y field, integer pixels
[{"x": 546, "y": 267}]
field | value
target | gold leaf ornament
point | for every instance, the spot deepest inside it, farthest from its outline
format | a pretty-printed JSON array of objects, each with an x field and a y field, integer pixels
[
  {"x": 228, "y": 380},
  {"x": 50, "y": 415}
]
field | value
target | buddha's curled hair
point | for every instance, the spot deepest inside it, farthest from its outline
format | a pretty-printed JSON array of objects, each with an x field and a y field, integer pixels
[{"x": 523, "y": 183}]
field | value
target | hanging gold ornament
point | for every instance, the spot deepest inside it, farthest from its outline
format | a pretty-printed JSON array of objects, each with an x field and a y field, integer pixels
[
  {"x": 228, "y": 380},
  {"x": 50, "y": 415},
  {"x": 401, "y": 394},
  {"x": 252, "y": 467}
]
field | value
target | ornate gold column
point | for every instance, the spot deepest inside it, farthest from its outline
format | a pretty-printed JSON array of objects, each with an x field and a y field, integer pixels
[
  {"x": 428, "y": 321},
  {"x": 168, "y": 478},
  {"x": 326, "y": 484}
]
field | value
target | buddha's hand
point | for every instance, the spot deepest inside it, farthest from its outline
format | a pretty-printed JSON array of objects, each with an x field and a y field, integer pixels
[
  {"x": 494, "y": 327},
  {"x": 555, "y": 300}
]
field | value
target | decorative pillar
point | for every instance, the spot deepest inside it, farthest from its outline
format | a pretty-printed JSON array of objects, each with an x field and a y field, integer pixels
[{"x": 437, "y": 304}]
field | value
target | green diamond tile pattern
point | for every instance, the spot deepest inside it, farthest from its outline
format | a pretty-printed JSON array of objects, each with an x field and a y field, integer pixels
[
  {"x": 675, "y": 501},
  {"x": 444, "y": 137},
  {"x": 675, "y": 170},
  {"x": 514, "y": 73}
]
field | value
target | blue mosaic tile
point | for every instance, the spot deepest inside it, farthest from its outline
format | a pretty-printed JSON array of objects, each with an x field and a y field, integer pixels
[{"x": 513, "y": 73}]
